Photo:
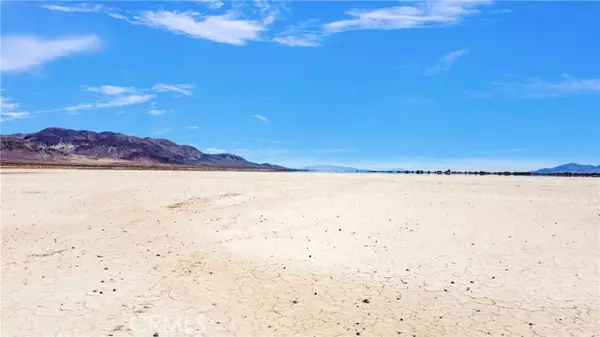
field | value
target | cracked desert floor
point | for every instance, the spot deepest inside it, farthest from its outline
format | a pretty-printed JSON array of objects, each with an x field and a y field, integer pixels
[{"x": 148, "y": 253}]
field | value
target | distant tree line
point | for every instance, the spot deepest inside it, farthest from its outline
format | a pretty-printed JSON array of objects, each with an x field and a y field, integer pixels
[{"x": 484, "y": 173}]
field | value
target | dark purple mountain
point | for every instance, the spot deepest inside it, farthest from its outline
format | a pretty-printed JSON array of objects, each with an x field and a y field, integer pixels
[
  {"x": 65, "y": 145},
  {"x": 570, "y": 168}
]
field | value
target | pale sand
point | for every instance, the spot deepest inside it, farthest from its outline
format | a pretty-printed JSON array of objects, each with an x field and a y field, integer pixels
[{"x": 296, "y": 254}]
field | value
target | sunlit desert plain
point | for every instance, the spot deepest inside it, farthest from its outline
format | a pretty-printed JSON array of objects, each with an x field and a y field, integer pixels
[{"x": 159, "y": 253}]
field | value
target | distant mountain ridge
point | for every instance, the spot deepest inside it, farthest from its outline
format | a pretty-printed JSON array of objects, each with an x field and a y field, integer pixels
[
  {"x": 344, "y": 169},
  {"x": 570, "y": 168},
  {"x": 331, "y": 168},
  {"x": 59, "y": 145}
]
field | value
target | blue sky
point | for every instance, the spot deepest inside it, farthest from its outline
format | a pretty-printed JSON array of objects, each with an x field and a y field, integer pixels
[{"x": 432, "y": 85}]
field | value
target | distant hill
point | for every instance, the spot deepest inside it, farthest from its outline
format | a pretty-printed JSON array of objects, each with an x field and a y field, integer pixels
[
  {"x": 58, "y": 145},
  {"x": 344, "y": 169},
  {"x": 331, "y": 168},
  {"x": 570, "y": 168}
]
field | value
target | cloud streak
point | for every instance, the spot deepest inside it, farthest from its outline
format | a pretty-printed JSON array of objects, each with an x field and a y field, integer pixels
[
  {"x": 213, "y": 4},
  {"x": 243, "y": 23},
  {"x": 426, "y": 14},
  {"x": 112, "y": 102},
  {"x": 77, "y": 8},
  {"x": 305, "y": 34},
  {"x": 536, "y": 88},
  {"x": 156, "y": 112},
  {"x": 184, "y": 89},
  {"x": 22, "y": 53},
  {"x": 446, "y": 62},
  {"x": 224, "y": 28},
  {"x": 10, "y": 111},
  {"x": 262, "y": 118},
  {"x": 110, "y": 90}
]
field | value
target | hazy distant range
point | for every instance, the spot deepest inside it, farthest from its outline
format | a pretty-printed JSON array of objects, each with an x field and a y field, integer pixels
[
  {"x": 566, "y": 168},
  {"x": 339, "y": 169}
]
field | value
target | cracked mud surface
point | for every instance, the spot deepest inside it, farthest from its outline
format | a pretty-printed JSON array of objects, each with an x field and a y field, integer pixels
[{"x": 129, "y": 253}]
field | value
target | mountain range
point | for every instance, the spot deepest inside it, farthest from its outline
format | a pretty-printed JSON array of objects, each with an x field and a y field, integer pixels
[
  {"x": 342, "y": 169},
  {"x": 566, "y": 168},
  {"x": 570, "y": 168},
  {"x": 331, "y": 168},
  {"x": 81, "y": 147},
  {"x": 59, "y": 145}
]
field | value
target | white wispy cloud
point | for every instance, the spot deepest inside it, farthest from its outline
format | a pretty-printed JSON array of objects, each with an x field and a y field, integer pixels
[
  {"x": 539, "y": 88},
  {"x": 112, "y": 96},
  {"x": 113, "y": 102},
  {"x": 224, "y": 28},
  {"x": 75, "y": 8},
  {"x": 266, "y": 11},
  {"x": 446, "y": 62},
  {"x": 115, "y": 96},
  {"x": 110, "y": 89},
  {"x": 231, "y": 27},
  {"x": 262, "y": 118},
  {"x": 304, "y": 34},
  {"x": 424, "y": 14},
  {"x": 519, "y": 87},
  {"x": 156, "y": 112},
  {"x": 184, "y": 89},
  {"x": 120, "y": 17},
  {"x": 192, "y": 127},
  {"x": 124, "y": 100},
  {"x": 22, "y": 53},
  {"x": 10, "y": 111},
  {"x": 294, "y": 39},
  {"x": 214, "y": 4}
]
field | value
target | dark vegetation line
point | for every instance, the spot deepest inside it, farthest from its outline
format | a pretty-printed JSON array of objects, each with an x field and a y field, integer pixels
[{"x": 484, "y": 173}]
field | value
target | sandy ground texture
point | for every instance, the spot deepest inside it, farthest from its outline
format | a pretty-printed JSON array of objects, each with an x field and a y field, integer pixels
[{"x": 133, "y": 253}]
